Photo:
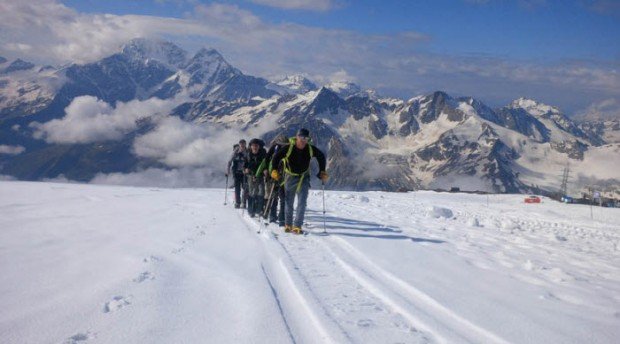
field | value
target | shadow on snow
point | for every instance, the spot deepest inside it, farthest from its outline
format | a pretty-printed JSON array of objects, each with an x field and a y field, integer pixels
[{"x": 333, "y": 223}]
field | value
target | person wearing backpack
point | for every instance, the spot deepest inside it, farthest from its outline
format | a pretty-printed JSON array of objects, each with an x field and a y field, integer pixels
[
  {"x": 236, "y": 166},
  {"x": 277, "y": 191},
  {"x": 295, "y": 158},
  {"x": 256, "y": 186}
]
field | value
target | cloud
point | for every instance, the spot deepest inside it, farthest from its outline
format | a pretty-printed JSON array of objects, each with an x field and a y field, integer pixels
[
  {"x": 313, "y": 5},
  {"x": 11, "y": 150},
  {"x": 606, "y": 7},
  {"x": 391, "y": 63},
  {"x": 155, "y": 177},
  {"x": 196, "y": 155},
  {"x": 4, "y": 177},
  {"x": 88, "y": 119},
  {"x": 607, "y": 109},
  {"x": 49, "y": 29},
  {"x": 526, "y": 4},
  {"x": 341, "y": 76},
  {"x": 177, "y": 143}
]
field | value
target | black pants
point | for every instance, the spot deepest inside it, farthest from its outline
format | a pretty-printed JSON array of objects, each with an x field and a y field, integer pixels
[
  {"x": 239, "y": 184},
  {"x": 274, "y": 214}
]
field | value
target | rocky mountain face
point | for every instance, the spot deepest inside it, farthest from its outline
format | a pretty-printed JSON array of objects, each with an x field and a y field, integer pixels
[
  {"x": 372, "y": 142},
  {"x": 602, "y": 131}
]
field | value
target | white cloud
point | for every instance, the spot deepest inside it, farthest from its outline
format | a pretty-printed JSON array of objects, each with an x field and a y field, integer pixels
[
  {"x": 4, "y": 177},
  {"x": 178, "y": 144},
  {"x": 174, "y": 178},
  {"x": 11, "y": 150},
  {"x": 607, "y": 109},
  {"x": 313, "y": 5},
  {"x": 88, "y": 119},
  {"x": 47, "y": 28},
  {"x": 341, "y": 76},
  {"x": 393, "y": 63}
]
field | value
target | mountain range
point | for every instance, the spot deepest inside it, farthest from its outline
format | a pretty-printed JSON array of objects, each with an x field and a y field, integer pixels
[{"x": 373, "y": 142}]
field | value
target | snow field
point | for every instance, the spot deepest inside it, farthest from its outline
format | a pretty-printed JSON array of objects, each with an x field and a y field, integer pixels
[{"x": 83, "y": 263}]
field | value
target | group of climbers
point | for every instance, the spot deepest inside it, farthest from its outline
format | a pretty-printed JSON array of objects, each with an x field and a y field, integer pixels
[{"x": 266, "y": 182}]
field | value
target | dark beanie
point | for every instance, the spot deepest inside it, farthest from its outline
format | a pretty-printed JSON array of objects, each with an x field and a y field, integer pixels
[{"x": 303, "y": 132}]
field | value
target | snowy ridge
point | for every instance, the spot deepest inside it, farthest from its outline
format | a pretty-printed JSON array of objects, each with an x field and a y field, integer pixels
[{"x": 373, "y": 143}]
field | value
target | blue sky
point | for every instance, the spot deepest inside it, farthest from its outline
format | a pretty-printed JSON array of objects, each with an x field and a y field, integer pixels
[
  {"x": 517, "y": 29},
  {"x": 565, "y": 53}
]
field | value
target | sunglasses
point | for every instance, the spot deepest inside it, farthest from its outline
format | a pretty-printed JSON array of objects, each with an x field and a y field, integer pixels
[{"x": 303, "y": 138}]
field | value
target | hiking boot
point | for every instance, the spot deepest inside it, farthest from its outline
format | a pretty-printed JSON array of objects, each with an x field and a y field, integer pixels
[
  {"x": 296, "y": 230},
  {"x": 288, "y": 228},
  {"x": 236, "y": 205}
]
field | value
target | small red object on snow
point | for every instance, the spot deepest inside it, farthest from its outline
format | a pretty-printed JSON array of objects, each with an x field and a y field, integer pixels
[{"x": 532, "y": 199}]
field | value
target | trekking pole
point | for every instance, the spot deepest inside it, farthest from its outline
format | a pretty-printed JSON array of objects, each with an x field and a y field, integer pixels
[
  {"x": 243, "y": 195},
  {"x": 324, "y": 226},
  {"x": 226, "y": 190}
]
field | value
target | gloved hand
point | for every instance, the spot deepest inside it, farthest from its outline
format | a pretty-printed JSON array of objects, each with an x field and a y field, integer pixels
[
  {"x": 275, "y": 175},
  {"x": 323, "y": 176}
]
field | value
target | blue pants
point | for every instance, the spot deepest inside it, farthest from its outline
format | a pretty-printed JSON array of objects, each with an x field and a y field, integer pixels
[{"x": 291, "y": 183}]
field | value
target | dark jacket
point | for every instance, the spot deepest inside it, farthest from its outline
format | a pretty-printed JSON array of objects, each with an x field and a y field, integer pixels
[
  {"x": 237, "y": 162},
  {"x": 253, "y": 161},
  {"x": 299, "y": 160}
]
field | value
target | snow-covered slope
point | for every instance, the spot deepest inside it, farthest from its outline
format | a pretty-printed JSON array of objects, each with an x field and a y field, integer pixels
[
  {"x": 107, "y": 264},
  {"x": 26, "y": 88}
]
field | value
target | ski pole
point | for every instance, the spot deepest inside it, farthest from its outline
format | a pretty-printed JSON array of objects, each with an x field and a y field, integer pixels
[
  {"x": 269, "y": 200},
  {"x": 244, "y": 195},
  {"x": 226, "y": 190},
  {"x": 324, "y": 226}
]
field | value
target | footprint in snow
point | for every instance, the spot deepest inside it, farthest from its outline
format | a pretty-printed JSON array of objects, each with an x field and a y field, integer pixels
[
  {"x": 116, "y": 303},
  {"x": 79, "y": 337},
  {"x": 152, "y": 259},
  {"x": 365, "y": 323},
  {"x": 145, "y": 276}
]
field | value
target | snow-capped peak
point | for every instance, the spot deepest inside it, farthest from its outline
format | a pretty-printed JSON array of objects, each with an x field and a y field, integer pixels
[
  {"x": 162, "y": 51},
  {"x": 208, "y": 55},
  {"x": 292, "y": 84},
  {"x": 533, "y": 107},
  {"x": 207, "y": 60},
  {"x": 297, "y": 82},
  {"x": 344, "y": 88}
]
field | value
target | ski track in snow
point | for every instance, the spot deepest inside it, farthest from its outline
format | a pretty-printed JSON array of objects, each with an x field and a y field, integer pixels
[
  {"x": 371, "y": 279},
  {"x": 364, "y": 308}
]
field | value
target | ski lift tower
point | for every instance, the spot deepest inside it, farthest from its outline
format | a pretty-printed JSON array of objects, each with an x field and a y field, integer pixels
[{"x": 565, "y": 176}]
